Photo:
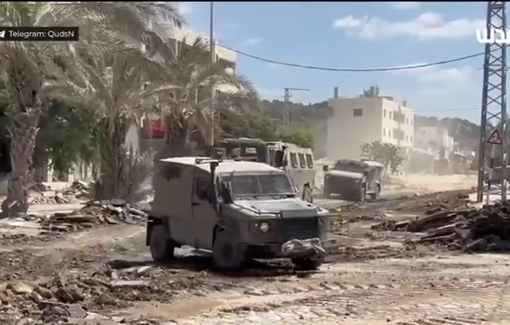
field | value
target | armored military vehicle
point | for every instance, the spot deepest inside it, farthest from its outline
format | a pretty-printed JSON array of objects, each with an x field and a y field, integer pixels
[
  {"x": 238, "y": 210},
  {"x": 353, "y": 180},
  {"x": 297, "y": 162}
]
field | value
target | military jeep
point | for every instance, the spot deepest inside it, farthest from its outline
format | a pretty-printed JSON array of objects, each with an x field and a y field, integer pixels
[
  {"x": 238, "y": 210},
  {"x": 353, "y": 180}
]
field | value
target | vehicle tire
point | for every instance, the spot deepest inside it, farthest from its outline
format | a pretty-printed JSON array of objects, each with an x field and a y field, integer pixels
[
  {"x": 308, "y": 263},
  {"x": 227, "y": 253},
  {"x": 359, "y": 195},
  {"x": 162, "y": 249}
]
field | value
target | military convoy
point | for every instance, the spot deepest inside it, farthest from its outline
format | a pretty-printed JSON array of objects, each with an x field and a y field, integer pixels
[
  {"x": 295, "y": 161},
  {"x": 238, "y": 210},
  {"x": 353, "y": 180}
]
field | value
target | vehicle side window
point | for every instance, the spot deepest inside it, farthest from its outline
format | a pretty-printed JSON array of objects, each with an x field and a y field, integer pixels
[
  {"x": 201, "y": 188},
  {"x": 309, "y": 160},
  {"x": 293, "y": 160},
  {"x": 302, "y": 161},
  {"x": 272, "y": 154}
]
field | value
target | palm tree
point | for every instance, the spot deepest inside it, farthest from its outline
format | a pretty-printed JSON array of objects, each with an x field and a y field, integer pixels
[
  {"x": 113, "y": 86},
  {"x": 186, "y": 73},
  {"x": 26, "y": 64}
]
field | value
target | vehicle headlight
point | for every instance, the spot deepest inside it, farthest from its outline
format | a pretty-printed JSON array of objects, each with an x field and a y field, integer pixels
[{"x": 264, "y": 227}]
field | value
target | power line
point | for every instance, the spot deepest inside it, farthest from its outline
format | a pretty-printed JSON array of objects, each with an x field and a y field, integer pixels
[
  {"x": 449, "y": 110},
  {"x": 310, "y": 67}
]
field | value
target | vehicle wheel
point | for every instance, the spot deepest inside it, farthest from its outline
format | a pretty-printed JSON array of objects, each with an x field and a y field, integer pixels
[
  {"x": 308, "y": 263},
  {"x": 162, "y": 249},
  {"x": 359, "y": 195},
  {"x": 227, "y": 254}
]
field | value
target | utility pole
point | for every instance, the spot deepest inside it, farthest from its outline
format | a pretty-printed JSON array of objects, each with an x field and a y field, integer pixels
[
  {"x": 286, "y": 102},
  {"x": 212, "y": 49},
  {"x": 493, "y": 131}
]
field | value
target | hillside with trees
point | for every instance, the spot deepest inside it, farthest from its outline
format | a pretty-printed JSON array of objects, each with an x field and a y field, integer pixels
[{"x": 64, "y": 103}]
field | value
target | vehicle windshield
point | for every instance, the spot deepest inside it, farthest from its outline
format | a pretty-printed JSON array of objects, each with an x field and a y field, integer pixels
[
  {"x": 260, "y": 186},
  {"x": 349, "y": 167}
]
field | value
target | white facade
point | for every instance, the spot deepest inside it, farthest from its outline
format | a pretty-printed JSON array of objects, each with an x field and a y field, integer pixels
[
  {"x": 181, "y": 34},
  {"x": 357, "y": 121},
  {"x": 435, "y": 139}
]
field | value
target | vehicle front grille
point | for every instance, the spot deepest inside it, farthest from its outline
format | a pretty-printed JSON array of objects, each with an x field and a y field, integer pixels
[{"x": 300, "y": 228}]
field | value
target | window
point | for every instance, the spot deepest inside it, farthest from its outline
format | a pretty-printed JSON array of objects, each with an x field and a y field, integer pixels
[
  {"x": 309, "y": 160},
  {"x": 293, "y": 160},
  {"x": 384, "y": 113},
  {"x": 202, "y": 188},
  {"x": 389, "y": 133},
  {"x": 272, "y": 156},
  {"x": 391, "y": 114},
  {"x": 357, "y": 112},
  {"x": 411, "y": 138},
  {"x": 260, "y": 185},
  {"x": 302, "y": 161}
]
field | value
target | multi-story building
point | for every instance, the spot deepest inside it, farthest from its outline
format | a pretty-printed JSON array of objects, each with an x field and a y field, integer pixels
[
  {"x": 435, "y": 139},
  {"x": 361, "y": 120},
  {"x": 153, "y": 127}
]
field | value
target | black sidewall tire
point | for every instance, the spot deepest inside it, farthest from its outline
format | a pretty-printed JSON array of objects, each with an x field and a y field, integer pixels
[
  {"x": 237, "y": 257},
  {"x": 308, "y": 263},
  {"x": 161, "y": 247}
]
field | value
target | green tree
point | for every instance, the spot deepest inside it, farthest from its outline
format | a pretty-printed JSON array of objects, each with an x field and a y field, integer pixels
[
  {"x": 298, "y": 135},
  {"x": 385, "y": 153},
  {"x": 28, "y": 65},
  {"x": 184, "y": 98}
]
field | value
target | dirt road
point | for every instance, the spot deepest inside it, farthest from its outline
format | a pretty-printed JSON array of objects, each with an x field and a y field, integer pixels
[{"x": 104, "y": 276}]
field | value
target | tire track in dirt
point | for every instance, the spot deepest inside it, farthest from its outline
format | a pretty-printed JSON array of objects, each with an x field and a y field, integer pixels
[{"x": 423, "y": 301}]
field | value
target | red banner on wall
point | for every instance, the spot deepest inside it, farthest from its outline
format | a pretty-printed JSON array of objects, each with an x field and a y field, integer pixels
[{"x": 153, "y": 129}]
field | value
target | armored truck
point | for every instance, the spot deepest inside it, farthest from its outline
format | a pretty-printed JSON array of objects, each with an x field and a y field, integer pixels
[
  {"x": 238, "y": 210},
  {"x": 297, "y": 162},
  {"x": 353, "y": 180}
]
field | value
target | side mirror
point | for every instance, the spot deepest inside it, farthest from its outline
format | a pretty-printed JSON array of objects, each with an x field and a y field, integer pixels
[
  {"x": 325, "y": 168},
  {"x": 278, "y": 158}
]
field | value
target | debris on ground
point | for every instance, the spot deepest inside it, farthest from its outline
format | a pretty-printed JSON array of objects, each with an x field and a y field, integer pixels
[
  {"x": 78, "y": 189},
  {"x": 77, "y": 192},
  {"x": 93, "y": 213},
  {"x": 468, "y": 229}
]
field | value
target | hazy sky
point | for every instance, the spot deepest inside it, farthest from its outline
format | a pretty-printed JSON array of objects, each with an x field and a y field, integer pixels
[{"x": 356, "y": 35}]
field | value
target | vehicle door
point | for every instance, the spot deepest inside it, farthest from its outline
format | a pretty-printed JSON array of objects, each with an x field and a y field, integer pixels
[
  {"x": 370, "y": 180},
  {"x": 293, "y": 170},
  {"x": 203, "y": 208},
  {"x": 271, "y": 154}
]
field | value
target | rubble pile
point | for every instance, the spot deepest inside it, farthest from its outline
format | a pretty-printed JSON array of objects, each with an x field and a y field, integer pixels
[
  {"x": 54, "y": 198},
  {"x": 445, "y": 200},
  {"x": 61, "y": 299},
  {"x": 93, "y": 213},
  {"x": 78, "y": 189},
  {"x": 76, "y": 193},
  {"x": 88, "y": 295},
  {"x": 470, "y": 229}
]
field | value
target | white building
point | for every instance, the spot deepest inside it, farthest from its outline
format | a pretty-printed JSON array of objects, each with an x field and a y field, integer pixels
[
  {"x": 357, "y": 121},
  {"x": 180, "y": 38},
  {"x": 434, "y": 139}
]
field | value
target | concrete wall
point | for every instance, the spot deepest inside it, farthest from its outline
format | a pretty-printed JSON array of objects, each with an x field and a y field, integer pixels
[
  {"x": 434, "y": 138},
  {"x": 357, "y": 121}
]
